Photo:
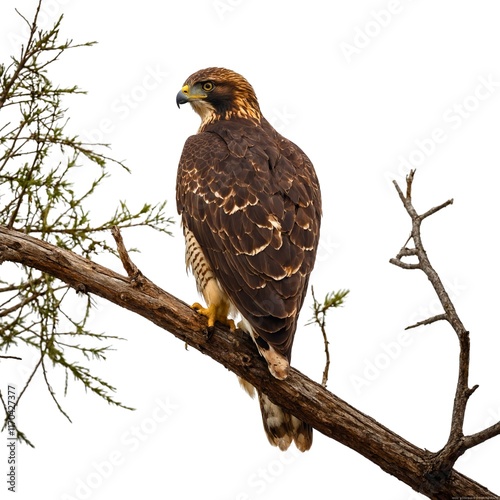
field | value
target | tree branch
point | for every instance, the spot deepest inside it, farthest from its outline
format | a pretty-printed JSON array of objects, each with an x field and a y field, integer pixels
[
  {"x": 457, "y": 444},
  {"x": 131, "y": 269},
  {"x": 306, "y": 399},
  {"x": 428, "y": 321}
]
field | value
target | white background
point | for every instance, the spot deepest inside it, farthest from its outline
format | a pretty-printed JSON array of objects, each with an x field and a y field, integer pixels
[{"x": 365, "y": 88}]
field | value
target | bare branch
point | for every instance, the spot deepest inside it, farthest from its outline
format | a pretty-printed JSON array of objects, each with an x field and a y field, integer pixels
[
  {"x": 427, "y": 321},
  {"x": 404, "y": 265},
  {"x": 321, "y": 323},
  {"x": 130, "y": 268},
  {"x": 455, "y": 446},
  {"x": 409, "y": 182},
  {"x": 482, "y": 436},
  {"x": 407, "y": 252},
  {"x": 436, "y": 209}
]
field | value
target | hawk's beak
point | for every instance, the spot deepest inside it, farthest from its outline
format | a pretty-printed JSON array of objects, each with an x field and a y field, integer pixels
[{"x": 185, "y": 96}]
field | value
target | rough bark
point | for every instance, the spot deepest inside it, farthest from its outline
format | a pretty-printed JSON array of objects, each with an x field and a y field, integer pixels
[{"x": 298, "y": 394}]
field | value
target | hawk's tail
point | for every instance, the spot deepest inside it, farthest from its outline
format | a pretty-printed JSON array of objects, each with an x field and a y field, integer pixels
[{"x": 281, "y": 427}]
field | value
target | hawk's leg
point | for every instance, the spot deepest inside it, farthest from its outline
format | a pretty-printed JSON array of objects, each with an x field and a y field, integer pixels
[
  {"x": 213, "y": 313},
  {"x": 218, "y": 303}
]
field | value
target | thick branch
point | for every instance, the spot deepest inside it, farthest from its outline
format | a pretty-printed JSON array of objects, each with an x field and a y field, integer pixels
[{"x": 298, "y": 394}]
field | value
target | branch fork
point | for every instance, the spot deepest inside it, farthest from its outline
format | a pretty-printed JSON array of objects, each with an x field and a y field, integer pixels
[{"x": 440, "y": 464}]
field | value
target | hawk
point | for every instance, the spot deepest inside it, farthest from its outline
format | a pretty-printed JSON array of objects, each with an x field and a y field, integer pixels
[{"x": 250, "y": 205}]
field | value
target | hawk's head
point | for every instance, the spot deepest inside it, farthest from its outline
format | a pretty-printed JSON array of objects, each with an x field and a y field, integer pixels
[{"x": 219, "y": 94}]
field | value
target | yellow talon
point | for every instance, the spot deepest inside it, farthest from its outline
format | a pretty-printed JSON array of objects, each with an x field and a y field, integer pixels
[
  {"x": 213, "y": 314},
  {"x": 209, "y": 313}
]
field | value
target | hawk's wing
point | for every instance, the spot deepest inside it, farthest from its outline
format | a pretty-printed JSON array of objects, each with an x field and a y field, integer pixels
[{"x": 251, "y": 198}]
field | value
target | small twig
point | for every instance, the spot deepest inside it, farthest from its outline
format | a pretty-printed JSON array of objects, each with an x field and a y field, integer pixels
[
  {"x": 409, "y": 182},
  {"x": 482, "y": 436},
  {"x": 321, "y": 322},
  {"x": 30, "y": 378},
  {"x": 26, "y": 53},
  {"x": 11, "y": 357},
  {"x": 436, "y": 209},
  {"x": 404, "y": 265},
  {"x": 332, "y": 299},
  {"x": 52, "y": 392},
  {"x": 27, "y": 300},
  {"x": 407, "y": 252},
  {"x": 324, "y": 379},
  {"x": 130, "y": 268},
  {"x": 427, "y": 321}
]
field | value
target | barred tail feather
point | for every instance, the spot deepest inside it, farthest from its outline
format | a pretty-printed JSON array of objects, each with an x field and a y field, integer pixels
[{"x": 282, "y": 428}]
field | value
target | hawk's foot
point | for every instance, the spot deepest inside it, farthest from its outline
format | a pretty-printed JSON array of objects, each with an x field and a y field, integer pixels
[{"x": 213, "y": 314}]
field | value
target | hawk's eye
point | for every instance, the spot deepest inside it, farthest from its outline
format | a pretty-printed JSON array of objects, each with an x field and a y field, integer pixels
[{"x": 208, "y": 86}]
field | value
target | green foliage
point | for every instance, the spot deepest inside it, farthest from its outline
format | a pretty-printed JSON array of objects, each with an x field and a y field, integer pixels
[
  {"x": 320, "y": 309},
  {"x": 42, "y": 193},
  {"x": 331, "y": 300}
]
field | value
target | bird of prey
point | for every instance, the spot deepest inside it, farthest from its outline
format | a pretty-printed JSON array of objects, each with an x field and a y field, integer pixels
[{"x": 250, "y": 205}]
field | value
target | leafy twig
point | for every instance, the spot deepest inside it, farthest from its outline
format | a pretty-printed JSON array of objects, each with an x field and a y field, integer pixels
[{"x": 331, "y": 300}]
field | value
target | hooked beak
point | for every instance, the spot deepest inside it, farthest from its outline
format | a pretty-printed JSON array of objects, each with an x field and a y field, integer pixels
[{"x": 185, "y": 95}]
